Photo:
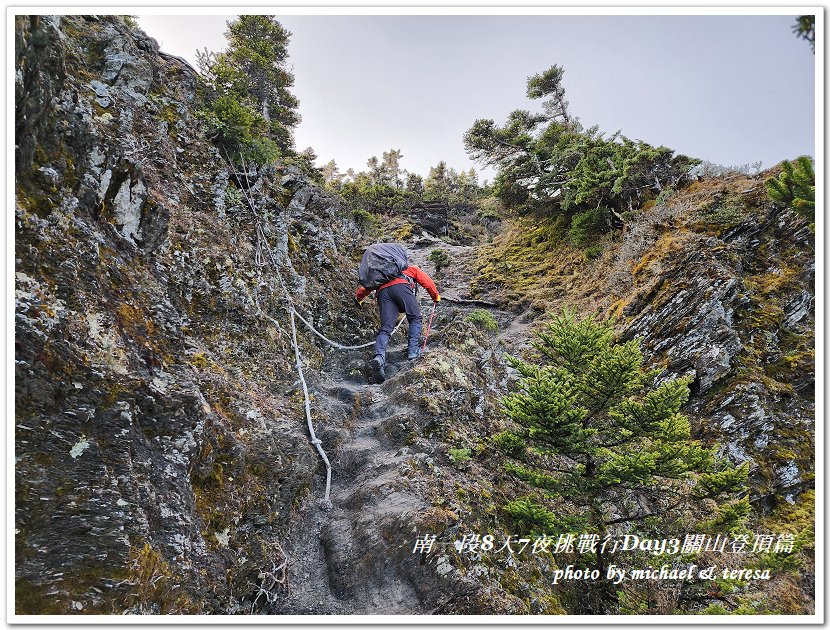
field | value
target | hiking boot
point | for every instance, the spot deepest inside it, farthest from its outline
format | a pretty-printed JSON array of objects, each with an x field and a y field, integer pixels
[
  {"x": 413, "y": 350},
  {"x": 378, "y": 374}
]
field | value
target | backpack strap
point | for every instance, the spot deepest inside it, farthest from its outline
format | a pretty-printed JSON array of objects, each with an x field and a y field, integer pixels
[{"x": 411, "y": 282}]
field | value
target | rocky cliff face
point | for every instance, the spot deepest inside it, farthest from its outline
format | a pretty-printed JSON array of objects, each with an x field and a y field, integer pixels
[
  {"x": 726, "y": 293},
  {"x": 157, "y": 442},
  {"x": 163, "y": 463},
  {"x": 162, "y": 460},
  {"x": 718, "y": 283},
  {"x": 730, "y": 301}
]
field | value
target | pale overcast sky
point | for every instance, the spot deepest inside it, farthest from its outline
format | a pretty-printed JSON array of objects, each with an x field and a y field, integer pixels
[{"x": 730, "y": 89}]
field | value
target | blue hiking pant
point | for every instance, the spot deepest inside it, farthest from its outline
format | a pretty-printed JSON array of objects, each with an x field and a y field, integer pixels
[{"x": 399, "y": 298}]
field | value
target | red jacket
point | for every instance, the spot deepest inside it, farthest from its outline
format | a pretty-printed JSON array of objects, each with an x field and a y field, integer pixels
[{"x": 413, "y": 272}]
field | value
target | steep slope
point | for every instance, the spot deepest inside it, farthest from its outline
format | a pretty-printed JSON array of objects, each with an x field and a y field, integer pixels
[
  {"x": 163, "y": 464},
  {"x": 162, "y": 459},
  {"x": 144, "y": 439},
  {"x": 391, "y": 464},
  {"x": 159, "y": 440},
  {"x": 718, "y": 282}
]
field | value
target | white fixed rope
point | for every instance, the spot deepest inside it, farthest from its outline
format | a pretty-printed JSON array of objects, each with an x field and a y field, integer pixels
[{"x": 293, "y": 315}]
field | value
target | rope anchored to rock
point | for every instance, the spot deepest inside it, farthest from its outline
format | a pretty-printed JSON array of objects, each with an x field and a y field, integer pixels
[
  {"x": 294, "y": 315},
  {"x": 336, "y": 345},
  {"x": 298, "y": 361}
]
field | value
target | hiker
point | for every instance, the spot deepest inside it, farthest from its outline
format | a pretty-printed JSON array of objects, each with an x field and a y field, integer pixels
[{"x": 385, "y": 269}]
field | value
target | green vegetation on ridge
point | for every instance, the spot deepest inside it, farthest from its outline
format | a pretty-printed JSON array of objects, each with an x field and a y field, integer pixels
[
  {"x": 796, "y": 187},
  {"x": 249, "y": 110},
  {"x": 547, "y": 161},
  {"x": 387, "y": 186},
  {"x": 595, "y": 430}
]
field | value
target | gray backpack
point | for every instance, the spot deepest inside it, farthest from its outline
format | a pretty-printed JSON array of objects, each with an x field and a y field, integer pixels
[{"x": 382, "y": 263}]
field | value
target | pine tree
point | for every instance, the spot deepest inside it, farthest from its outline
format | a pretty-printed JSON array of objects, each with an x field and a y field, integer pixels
[
  {"x": 307, "y": 160},
  {"x": 548, "y": 161},
  {"x": 805, "y": 27},
  {"x": 441, "y": 183},
  {"x": 250, "y": 109},
  {"x": 391, "y": 164},
  {"x": 468, "y": 187},
  {"x": 796, "y": 187},
  {"x": 607, "y": 445},
  {"x": 549, "y": 84},
  {"x": 376, "y": 170},
  {"x": 258, "y": 53},
  {"x": 414, "y": 183},
  {"x": 437, "y": 182},
  {"x": 331, "y": 175}
]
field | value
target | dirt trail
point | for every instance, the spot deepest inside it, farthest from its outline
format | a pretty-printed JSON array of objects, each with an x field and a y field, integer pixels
[{"x": 355, "y": 557}]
